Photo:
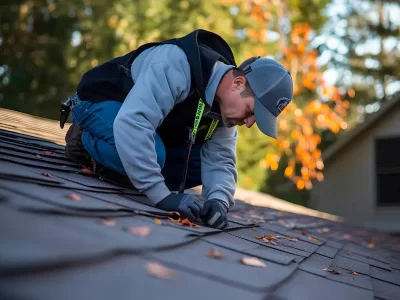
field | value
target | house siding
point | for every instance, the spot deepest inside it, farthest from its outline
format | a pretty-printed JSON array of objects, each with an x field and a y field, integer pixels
[{"x": 349, "y": 187}]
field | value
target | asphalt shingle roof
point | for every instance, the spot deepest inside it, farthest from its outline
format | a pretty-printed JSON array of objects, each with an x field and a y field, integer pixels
[{"x": 66, "y": 234}]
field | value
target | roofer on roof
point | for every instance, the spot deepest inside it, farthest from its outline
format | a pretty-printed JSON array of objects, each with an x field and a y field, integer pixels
[{"x": 139, "y": 115}]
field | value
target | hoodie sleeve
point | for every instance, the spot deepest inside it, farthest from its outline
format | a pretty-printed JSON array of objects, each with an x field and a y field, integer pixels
[
  {"x": 218, "y": 166},
  {"x": 162, "y": 79}
]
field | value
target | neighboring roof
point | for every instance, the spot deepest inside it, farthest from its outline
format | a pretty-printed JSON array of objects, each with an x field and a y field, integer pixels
[
  {"x": 66, "y": 234},
  {"x": 352, "y": 134}
]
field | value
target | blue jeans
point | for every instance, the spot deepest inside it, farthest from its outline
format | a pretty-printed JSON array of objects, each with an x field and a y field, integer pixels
[{"x": 96, "y": 121}]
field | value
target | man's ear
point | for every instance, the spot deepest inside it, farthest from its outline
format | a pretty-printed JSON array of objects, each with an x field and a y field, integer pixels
[{"x": 239, "y": 82}]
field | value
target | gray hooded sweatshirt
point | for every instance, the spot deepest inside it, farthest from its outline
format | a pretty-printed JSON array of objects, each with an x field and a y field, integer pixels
[{"x": 162, "y": 80}]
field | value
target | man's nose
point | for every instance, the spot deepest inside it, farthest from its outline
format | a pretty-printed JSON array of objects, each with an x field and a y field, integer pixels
[{"x": 250, "y": 121}]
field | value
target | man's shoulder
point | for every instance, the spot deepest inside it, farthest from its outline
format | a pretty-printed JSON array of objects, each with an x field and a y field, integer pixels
[{"x": 166, "y": 52}]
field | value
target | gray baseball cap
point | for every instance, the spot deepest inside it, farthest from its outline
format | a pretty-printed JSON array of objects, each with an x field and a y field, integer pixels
[{"x": 273, "y": 87}]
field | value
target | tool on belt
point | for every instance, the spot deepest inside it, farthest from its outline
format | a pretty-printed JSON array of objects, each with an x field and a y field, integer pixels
[{"x": 65, "y": 109}]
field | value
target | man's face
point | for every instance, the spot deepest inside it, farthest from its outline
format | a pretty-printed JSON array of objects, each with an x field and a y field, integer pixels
[{"x": 235, "y": 109}]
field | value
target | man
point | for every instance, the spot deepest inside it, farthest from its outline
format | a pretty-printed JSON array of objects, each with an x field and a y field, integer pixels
[{"x": 165, "y": 114}]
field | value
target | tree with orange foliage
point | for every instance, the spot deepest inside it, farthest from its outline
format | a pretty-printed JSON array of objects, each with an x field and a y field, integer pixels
[{"x": 316, "y": 106}]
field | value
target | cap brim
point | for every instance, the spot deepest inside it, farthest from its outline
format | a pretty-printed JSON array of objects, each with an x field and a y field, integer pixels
[{"x": 265, "y": 120}]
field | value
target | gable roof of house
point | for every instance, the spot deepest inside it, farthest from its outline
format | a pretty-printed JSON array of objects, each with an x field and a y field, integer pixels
[
  {"x": 66, "y": 234},
  {"x": 358, "y": 130}
]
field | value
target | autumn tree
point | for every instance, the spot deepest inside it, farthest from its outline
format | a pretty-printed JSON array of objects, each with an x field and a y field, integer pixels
[{"x": 317, "y": 106}]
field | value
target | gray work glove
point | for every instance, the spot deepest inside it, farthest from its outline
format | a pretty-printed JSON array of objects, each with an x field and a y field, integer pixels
[
  {"x": 215, "y": 214},
  {"x": 187, "y": 205}
]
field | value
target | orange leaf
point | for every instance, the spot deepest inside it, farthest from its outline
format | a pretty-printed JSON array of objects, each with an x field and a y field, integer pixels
[
  {"x": 157, "y": 221},
  {"x": 108, "y": 222},
  {"x": 215, "y": 254},
  {"x": 48, "y": 152},
  {"x": 313, "y": 239},
  {"x": 353, "y": 273},
  {"x": 74, "y": 197},
  {"x": 184, "y": 222},
  {"x": 140, "y": 230},
  {"x": 253, "y": 261},
  {"x": 159, "y": 271}
]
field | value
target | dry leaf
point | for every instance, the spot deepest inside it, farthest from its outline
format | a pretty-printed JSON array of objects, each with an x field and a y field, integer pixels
[
  {"x": 254, "y": 228},
  {"x": 47, "y": 174},
  {"x": 157, "y": 221},
  {"x": 187, "y": 222},
  {"x": 159, "y": 271},
  {"x": 237, "y": 217},
  {"x": 253, "y": 261},
  {"x": 313, "y": 239},
  {"x": 267, "y": 239},
  {"x": 371, "y": 245},
  {"x": 353, "y": 273},
  {"x": 331, "y": 271},
  {"x": 215, "y": 254},
  {"x": 38, "y": 156},
  {"x": 48, "y": 152},
  {"x": 303, "y": 232},
  {"x": 74, "y": 197},
  {"x": 292, "y": 239},
  {"x": 86, "y": 170},
  {"x": 184, "y": 222},
  {"x": 140, "y": 230},
  {"x": 108, "y": 222}
]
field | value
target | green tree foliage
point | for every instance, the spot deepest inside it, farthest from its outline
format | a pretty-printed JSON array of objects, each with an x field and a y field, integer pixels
[
  {"x": 39, "y": 63},
  {"x": 361, "y": 42}
]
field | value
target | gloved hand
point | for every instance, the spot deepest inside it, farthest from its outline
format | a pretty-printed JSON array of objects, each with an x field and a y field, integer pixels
[
  {"x": 187, "y": 205},
  {"x": 215, "y": 214}
]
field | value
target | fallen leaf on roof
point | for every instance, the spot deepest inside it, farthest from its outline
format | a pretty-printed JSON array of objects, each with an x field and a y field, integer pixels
[
  {"x": 313, "y": 239},
  {"x": 303, "y": 232},
  {"x": 47, "y": 175},
  {"x": 215, "y": 254},
  {"x": 292, "y": 239},
  {"x": 267, "y": 238},
  {"x": 38, "y": 156},
  {"x": 86, "y": 170},
  {"x": 184, "y": 222},
  {"x": 48, "y": 152},
  {"x": 237, "y": 217},
  {"x": 159, "y": 271},
  {"x": 371, "y": 245},
  {"x": 108, "y": 222},
  {"x": 353, "y": 273},
  {"x": 253, "y": 261},
  {"x": 254, "y": 228},
  {"x": 74, "y": 197},
  {"x": 140, "y": 230},
  {"x": 331, "y": 271},
  {"x": 157, "y": 221}
]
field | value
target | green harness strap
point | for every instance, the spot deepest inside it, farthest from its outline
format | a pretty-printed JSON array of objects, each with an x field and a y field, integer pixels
[
  {"x": 197, "y": 119},
  {"x": 192, "y": 138}
]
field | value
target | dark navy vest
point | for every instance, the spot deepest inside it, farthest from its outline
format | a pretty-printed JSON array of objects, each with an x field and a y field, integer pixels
[{"x": 112, "y": 81}]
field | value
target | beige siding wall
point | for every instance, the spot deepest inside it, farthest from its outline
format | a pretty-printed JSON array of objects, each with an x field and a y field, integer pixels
[{"x": 349, "y": 186}]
